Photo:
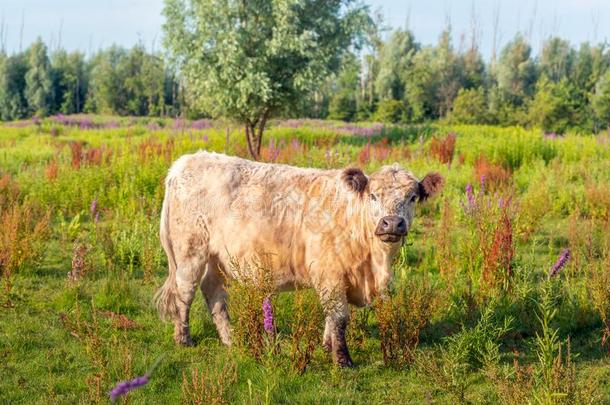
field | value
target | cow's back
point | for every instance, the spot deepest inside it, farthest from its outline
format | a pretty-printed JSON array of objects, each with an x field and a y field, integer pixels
[{"x": 244, "y": 211}]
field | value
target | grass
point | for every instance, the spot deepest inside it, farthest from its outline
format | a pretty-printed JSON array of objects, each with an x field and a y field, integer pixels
[{"x": 489, "y": 323}]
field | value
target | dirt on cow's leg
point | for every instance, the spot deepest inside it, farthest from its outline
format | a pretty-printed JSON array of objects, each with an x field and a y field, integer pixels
[
  {"x": 213, "y": 289},
  {"x": 340, "y": 351},
  {"x": 327, "y": 342},
  {"x": 188, "y": 278}
]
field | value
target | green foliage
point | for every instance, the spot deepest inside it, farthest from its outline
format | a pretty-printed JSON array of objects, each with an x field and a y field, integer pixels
[
  {"x": 246, "y": 61},
  {"x": 38, "y": 81},
  {"x": 470, "y": 107},
  {"x": 70, "y": 340},
  {"x": 13, "y": 103},
  {"x": 391, "y": 111},
  {"x": 516, "y": 71},
  {"x": 554, "y": 107},
  {"x": 601, "y": 100}
]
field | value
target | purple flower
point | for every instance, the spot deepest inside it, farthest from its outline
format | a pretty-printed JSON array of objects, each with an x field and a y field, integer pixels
[
  {"x": 483, "y": 184},
  {"x": 295, "y": 143},
  {"x": 124, "y": 387},
  {"x": 470, "y": 194},
  {"x": 560, "y": 263},
  {"x": 93, "y": 208},
  {"x": 268, "y": 316}
]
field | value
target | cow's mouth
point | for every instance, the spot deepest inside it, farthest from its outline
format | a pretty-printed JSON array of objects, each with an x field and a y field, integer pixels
[{"x": 390, "y": 237}]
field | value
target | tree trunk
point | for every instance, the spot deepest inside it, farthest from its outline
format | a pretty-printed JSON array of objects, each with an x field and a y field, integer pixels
[{"x": 254, "y": 135}]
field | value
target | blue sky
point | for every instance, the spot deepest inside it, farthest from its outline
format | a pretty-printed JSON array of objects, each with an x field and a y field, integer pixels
[{"x": 90, "y": 24}]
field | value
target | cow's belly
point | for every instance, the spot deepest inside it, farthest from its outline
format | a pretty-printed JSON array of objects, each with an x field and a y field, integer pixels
[{"x": 258, "y": 246}]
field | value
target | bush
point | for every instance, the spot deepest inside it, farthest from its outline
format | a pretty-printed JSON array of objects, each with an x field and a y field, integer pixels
[
  {"x": 392, "y": 111},
  {"x": 401, "y": 318},
  {"x": 470, "y": 107}
]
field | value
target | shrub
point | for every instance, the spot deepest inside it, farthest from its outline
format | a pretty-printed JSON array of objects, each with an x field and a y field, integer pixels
[
  {"x": 391, "y": 111},
  {"x": 306, "y": 328},
  {"x": 470, "y": 107},
  {"x": 495, "y": 175},
  {"x": 23, "y": 226},
  {"x": 252, "y": 285},
  {"x": 202, "y": 389},
  {"x": 401, "y": 318},
  {"x": 443, "y": 148}
]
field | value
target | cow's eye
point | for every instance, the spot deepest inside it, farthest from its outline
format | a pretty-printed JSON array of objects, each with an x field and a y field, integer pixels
[
  {"x": 373, "y": 197},
  {"x": 413, "y": 198}
]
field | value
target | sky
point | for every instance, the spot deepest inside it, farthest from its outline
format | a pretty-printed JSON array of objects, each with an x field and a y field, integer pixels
[{"x": 88, "y": 25}]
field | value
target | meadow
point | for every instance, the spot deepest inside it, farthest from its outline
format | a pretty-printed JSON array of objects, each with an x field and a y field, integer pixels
[{"x": 501, "y": 293}]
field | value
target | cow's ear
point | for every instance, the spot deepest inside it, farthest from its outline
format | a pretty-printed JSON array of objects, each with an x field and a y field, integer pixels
[
  {"x": 355, "y": 180},
  {"x": 430, "y": 185}
]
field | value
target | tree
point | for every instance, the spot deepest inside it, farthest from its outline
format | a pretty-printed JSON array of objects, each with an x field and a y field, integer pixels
[
  {"x": 557, "y": 59},
  {"x": 433, "y": 80},
  {"x": 601, "y": 100},
  {"x": 470, "y": 107},
  {"x": 13, "y": 104},
  {"x": 70, "y": 81},
  {"x": 343, "y": 101},
  {"x": 395, "y": 55},
  {"x": 554, "y": 107},
  {"x": 516, "y": 71},
  {"x": 38, "y": 81},
  {"x": 247, "y": 60}
]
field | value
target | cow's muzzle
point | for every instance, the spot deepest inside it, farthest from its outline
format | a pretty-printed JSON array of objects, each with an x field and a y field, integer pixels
[{"x": 391, "y": 228}]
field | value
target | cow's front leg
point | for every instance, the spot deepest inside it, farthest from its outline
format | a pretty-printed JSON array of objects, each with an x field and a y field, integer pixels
[{"x": 337, "y": 316}]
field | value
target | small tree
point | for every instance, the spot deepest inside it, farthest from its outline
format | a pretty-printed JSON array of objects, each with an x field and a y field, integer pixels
[
  {"x": 248, "y": 60},
  {"x": 601, "y": 100},
  {"x": 38, "y": 80},
  {"x": 470, "y": 107}
]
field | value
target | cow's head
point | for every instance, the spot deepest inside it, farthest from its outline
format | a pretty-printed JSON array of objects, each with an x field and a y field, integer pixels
[{"x": 392, "y": 193}]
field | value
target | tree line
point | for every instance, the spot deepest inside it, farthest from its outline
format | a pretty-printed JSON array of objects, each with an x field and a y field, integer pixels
[
  {"x": 115, "y": 80},
  {"x": 396, "y": 80},
  {"x": 403, "y": 81}
]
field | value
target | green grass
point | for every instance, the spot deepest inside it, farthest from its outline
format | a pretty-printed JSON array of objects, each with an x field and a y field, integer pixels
[{"x": 57, "y": 344}]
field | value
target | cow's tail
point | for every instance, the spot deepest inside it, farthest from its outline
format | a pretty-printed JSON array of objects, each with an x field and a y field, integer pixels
[{"x": 165, "y": 298}]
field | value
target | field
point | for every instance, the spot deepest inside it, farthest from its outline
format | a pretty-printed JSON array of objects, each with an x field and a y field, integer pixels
[{"x": 501, "y": 293}]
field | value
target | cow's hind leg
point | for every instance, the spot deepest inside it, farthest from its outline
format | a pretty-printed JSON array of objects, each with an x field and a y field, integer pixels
[
  {"x": 188, "y": 277},
  {"x": 215, "y": 294}
]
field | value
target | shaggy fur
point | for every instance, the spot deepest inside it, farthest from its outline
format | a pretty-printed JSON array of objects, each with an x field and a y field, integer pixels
[{"x": 314, "y": 227}]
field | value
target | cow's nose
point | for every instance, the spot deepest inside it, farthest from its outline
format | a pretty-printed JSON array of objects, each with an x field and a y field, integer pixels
[{"x": 392, "y": 224}]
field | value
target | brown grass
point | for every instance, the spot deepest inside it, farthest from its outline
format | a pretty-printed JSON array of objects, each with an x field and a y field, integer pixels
[
  {"x": 306, "y": 329},
  {"x": 253, "y": 283},
  {"x": 498, "y": 255},
  {"x": 23, "y": 228},
  {"x": 443, "y": 148},
  {"x": 496, "y": 176},
  {"x": 202, "y": 389},
  {"x": 401, "y": 317}
]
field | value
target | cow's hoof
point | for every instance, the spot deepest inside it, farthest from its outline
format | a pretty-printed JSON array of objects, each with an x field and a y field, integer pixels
[
  {"x": 184, "y": 341},
  {"x": 344, "y": 361}
]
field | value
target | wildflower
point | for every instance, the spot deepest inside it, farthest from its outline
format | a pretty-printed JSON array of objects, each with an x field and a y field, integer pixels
[
  {"x": 560, "y": 263},
  {"x": 124, "y": 387},
  {"x": 470, "y": 194},
  {"x": 482, "y": 183},
  {"x": 295, "y": 143},
  {"x": 268, "y": 316},
  {"x": 93, "y": 208}
]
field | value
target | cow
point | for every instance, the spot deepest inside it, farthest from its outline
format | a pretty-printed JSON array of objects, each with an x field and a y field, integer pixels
[{"x": 336, "y": 231}]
